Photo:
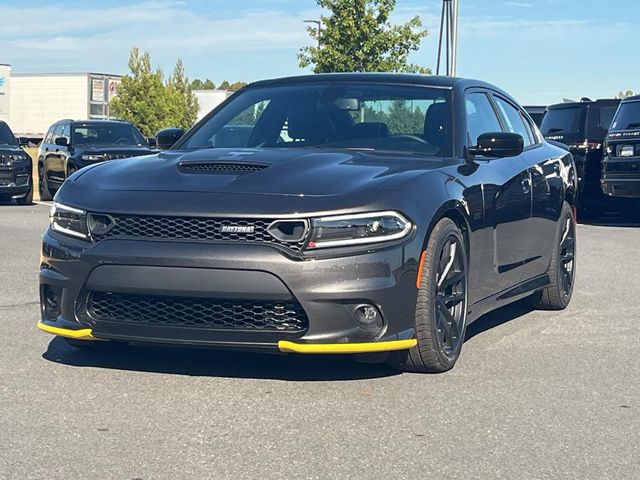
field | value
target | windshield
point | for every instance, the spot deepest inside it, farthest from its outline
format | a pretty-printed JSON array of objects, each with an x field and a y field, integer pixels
[
  {"x": 627, "y": 117},
  {"x": 393, "y": 118},
  {"x": 6, "y": 135},
  {"x": 564, "y": 121},
  {"x": 107, "y": 134}
]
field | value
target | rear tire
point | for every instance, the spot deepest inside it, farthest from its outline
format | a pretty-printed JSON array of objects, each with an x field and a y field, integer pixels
[
  {"x": 562, "y": 270},
  {"x": 43, "y": 186},
  {"x": 441, "y": 310}
]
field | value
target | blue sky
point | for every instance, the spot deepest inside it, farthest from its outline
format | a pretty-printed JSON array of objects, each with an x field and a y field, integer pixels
[{"x": 538, "y": 50}]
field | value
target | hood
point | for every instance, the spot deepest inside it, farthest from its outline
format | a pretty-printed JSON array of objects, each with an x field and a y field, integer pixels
[
  {"x": 128, "y": 150},
  {"x": 290, "y": 172},
  {"x": 10, "y": 149}
]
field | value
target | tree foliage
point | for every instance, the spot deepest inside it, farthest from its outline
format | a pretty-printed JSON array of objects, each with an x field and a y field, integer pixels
[
  {"x": 357, "y": 36},
  {"x": 150, "y": 103},
  {"x": 624, "y": 94},
  {"x": 184, "y": 104},
  {"x": 207, "y": 84}
]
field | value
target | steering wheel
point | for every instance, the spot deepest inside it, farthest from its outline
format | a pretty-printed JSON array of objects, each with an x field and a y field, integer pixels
[
  {"x": 121, "y": 141},
  {"x": 414, "y": 138}
]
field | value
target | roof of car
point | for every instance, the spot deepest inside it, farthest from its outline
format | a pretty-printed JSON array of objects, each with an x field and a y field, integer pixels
[
  {"x": 633, "y": 98},
  {"x": 98, "y": 121},
  {"x": 586, "y": 103},
  {"x": 376, "y": 77}
]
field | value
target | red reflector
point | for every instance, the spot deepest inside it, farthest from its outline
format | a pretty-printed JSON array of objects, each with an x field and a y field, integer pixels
[{"x": 420, "y": 268}]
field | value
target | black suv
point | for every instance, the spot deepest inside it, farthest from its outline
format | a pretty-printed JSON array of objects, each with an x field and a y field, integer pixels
[
  {"x": 71, "y": 145},
  {"x": 621, "y": 164},
  {"x": 582, "y": 126},
  {"x": 536, "y": 112},
  {"x": 15, "y": 168}
]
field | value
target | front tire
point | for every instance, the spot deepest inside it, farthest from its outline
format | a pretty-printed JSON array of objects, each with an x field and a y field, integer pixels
[
  {"x": 43, "y": 185},
  {"x": 562, "y": 270},
  {"x": 27, "y": 199},
  {"x": 441, "y": 310}
]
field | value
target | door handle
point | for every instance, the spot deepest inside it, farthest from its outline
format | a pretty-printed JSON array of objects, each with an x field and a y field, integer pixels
[{"x": 526, "y": 185}]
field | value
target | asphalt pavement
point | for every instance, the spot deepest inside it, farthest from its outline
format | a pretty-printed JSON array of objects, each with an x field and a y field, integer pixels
[{"x": 535, "y": 395}]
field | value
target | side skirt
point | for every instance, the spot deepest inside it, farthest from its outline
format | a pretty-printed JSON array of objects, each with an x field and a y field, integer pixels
[{"x": 506, "y": 297}]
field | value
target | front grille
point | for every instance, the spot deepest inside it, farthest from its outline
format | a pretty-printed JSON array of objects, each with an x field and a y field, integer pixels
[
  {"x": 188, "y": 312},
  {"x": 221, "y": 168},
  {"x": 196, "y": 228}
]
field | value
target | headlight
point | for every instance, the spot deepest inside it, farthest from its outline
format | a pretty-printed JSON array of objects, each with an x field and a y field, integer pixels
[
  {"x": 93, "y": 158},
  {"x": 69, "y": 221},
  {"x": 12, "y": 159},
  {"x": 363, "y": 228}
]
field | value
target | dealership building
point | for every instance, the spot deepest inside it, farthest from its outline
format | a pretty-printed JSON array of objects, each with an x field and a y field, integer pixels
[{"x": 31, "y": 102}]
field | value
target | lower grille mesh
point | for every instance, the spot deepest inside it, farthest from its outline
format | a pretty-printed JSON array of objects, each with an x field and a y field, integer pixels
[{"x": 190, "y": 312}]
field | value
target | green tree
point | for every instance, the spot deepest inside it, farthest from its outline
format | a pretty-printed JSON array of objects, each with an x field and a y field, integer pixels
[
  {"x": 357, "y": 36},
  {"x": 224, "y": 85},
  {"x": 237, "y": 85},
  {"x": 142, "y": 98},
  {"x": 207, "y": 84},
  {"x": 150, "y": 103},
  {"x": 184, "y": 104},
  {"x": 624, "y": 94},
  {"x": 401, "y": 118}
]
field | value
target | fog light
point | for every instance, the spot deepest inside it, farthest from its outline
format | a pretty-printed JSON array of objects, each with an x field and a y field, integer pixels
[
  {"x": 368, "y": 316},
  {"x": 50, "y": 302}
]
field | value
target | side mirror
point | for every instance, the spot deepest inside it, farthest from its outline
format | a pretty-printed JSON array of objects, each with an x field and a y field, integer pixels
[
  {"x": 167, "y": 138},
  {"x": 152, "y": 142},
  {"x": 62, "y": 141},
  {"x": 23, "y": 141},
  {"x": 498, "y": 144}
]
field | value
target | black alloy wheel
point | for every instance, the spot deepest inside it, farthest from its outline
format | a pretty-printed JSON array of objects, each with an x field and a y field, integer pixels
[
  {"x": 567, "y": 256},
  {"x": 441, "y": 308},
  {"x": 562, "y": 269},
  {"x": 450, "y": 297}
]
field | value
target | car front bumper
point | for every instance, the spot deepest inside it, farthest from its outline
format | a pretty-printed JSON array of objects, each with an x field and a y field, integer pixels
[
  {"x": 330, "y": 293},
  {"x": 14, "y": 181}
]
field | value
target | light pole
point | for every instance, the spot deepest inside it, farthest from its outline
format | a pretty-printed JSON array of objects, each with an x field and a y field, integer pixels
[
  {"x": 448, "y": 37},
  {"x": 319, "y": 24}
]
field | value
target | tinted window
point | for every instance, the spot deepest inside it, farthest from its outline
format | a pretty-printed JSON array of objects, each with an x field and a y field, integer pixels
[
  {"x": 49, "y": 137},
  {"x": 107, "y": 134},
  {"x": 564, "y": 121},
  {"x": 513, "y": 120},
  {"x": 57, "y": 131},
  {"x": 337, "y": 116},
  {"x": 6, "y": 135},
  {"x": 628, "y": 117},
  {"x": 66, "y": 131},
  {"x": 481, "y": 117}
]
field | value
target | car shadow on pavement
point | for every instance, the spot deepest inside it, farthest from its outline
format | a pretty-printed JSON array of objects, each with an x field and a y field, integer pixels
[
  {"x": 498, "y": 317},
  {"x": 212, "y": 363}
]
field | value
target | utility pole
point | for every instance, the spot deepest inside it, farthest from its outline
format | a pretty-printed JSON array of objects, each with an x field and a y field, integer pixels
[
  {"x": 319, "y": 24},
  {"x": 448, "y": 37}
]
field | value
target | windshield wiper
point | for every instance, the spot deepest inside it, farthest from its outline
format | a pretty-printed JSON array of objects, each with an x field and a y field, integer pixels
[
  {"x": 555, "y": 130},
  {"x": 633, "y": 125}
]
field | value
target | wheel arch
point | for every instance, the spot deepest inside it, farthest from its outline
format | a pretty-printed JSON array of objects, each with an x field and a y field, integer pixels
[{"x": 456, "y": 212}]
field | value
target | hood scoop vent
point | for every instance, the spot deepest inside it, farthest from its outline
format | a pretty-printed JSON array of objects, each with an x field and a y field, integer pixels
[{"x": 221, "y": 168}]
